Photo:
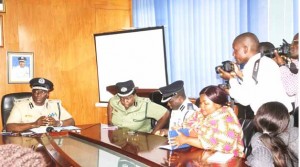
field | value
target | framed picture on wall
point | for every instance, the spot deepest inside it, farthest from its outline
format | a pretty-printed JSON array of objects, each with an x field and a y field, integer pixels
[
  {"x": 1, "y": 31},
  {"x": 20, "y": 67},
  {"x": 2, "y": 5}
]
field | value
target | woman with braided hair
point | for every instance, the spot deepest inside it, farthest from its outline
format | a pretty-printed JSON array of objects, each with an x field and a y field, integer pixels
[
  {"x": 275, "y": 143},
  {"x": 15, "y": 155}
]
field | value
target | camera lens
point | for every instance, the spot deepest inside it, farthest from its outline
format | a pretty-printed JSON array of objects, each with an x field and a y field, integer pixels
[
  {"x": 228, "y": 66},
  {"x": 216, "y": 68}
]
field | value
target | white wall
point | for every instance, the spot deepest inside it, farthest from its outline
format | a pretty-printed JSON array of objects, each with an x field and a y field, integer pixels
[{"x": 280, "y": 13}]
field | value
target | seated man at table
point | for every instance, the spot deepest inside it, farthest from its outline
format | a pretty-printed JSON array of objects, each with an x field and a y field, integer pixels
[
  {"x": 128, "y": 110},
  {"x": 182, "y": 107},
  {"x": 38, "y": 110}
]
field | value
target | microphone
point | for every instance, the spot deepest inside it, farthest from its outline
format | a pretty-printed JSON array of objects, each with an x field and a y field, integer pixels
[
  {"x": 52, "y": 132},
  {"x": 58, "y": 106},
  {"x": 50, "y": 129}
]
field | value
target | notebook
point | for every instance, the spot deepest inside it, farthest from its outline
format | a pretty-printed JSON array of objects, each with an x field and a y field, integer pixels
[{"x": 173, "y": 133}]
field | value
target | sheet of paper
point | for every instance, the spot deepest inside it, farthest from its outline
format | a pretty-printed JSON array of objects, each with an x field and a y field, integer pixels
[
  {"x": 66, "y": 128},
  {"x": 219, "y": 157},
  {"x": 41, "y": 129},
  {"x": 108, "y": 127}
]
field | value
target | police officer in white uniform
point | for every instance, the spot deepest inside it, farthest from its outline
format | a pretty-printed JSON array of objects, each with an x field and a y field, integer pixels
[
  {"x": 21, "y": 72},
  {"x": 38, "y": 110},
  {"x": 182, "y": 107}
]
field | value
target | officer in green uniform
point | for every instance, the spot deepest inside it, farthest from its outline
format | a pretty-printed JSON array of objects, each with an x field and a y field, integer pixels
[
  {"x": 38, "y": 110},
  {"x": 128, "y": 110}
]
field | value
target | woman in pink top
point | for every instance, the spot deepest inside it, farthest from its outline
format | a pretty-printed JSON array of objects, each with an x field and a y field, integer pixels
[{"x": 215, "y": 126}]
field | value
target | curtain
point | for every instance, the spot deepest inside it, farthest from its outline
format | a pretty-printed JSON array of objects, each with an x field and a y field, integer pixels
[{"x": 199, "y": 33}]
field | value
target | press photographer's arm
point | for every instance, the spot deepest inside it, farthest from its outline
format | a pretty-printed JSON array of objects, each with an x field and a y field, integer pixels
[
  {"x": 278, "y": 59},
  {"x": 236, "y": 72}
]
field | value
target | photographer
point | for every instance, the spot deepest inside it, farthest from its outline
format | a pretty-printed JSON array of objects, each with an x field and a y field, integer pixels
[
  {"x": 259, "y": 82},
  {"x": 289, "y": 74},
  {"x": 265, "y": 47},
  {"x": 242, "y": 112}
]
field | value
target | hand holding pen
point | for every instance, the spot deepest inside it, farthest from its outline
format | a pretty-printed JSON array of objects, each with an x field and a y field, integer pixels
[
  {"x": 45, "y": 121},
  {"x": 49, "y": 121}
]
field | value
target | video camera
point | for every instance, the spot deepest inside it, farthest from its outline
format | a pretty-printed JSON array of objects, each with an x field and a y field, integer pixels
[
  {"x": 283, "y": 50},
  {"x": 226, "y": 66}
]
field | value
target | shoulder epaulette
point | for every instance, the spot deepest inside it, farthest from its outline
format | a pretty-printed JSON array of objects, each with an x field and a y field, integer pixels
[
  {"x": 182, "y": 107},
  {"x": 147, "y": 99},
  {"x": 20, "y": 100}
]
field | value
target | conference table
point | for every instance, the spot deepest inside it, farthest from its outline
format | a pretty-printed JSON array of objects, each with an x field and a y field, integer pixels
[{"x": 101, "y": 145}]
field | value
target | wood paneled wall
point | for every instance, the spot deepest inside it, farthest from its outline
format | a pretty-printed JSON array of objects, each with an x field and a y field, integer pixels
[{"x": 61, "y": 35}]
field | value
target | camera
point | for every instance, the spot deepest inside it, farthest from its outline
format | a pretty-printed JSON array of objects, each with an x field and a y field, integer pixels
[
  {"x": 224, "y": 86},
  {"x": 283, "y": 50},
  {"x": 226, "y": 66}
]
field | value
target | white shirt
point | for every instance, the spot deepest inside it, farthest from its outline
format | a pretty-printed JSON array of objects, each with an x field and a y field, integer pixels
[
  {"x": 269, "y": 87},
  {"x": 25, "y": 111},
  {"x": 182, "y": 113},
  {"x": 290, "y": 81},
  {"x": 20, "y": 73}
]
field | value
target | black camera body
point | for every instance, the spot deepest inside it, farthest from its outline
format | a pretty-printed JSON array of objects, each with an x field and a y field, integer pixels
[
  {"x": 224, "y": 86},
  {"x": 226, "y": 66},
  {"x": 283, "y": 50}
]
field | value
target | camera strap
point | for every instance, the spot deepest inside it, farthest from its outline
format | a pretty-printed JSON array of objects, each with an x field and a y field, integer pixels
[
  {"x": 255, "y": 69},
  {"x": 293, "y": 68}
]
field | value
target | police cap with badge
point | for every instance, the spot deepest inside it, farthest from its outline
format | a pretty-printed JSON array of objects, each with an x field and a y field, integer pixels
[
  {"x": 41, "y": 83},
  {"x": 125, "y": 88},
  {"x": 22, "y": 59},
  {"x": 171, "y": 90}
]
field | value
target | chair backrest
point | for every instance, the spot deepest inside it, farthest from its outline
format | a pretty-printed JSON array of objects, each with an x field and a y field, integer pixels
[
  {"x": 156, "y": 98},
  {"x": 7, "y": 104}
]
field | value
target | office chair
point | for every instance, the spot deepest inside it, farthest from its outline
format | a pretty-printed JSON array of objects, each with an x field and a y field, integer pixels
[
  {"x": 7, "y": 104},
  {"x": 156, "y": 98}
]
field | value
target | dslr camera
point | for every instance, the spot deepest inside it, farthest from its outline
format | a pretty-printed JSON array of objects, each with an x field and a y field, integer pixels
[
  {"x": 283, "y": 50},
  {"x": 224, "y": 86},
  {"x": 226, "y": 66}
]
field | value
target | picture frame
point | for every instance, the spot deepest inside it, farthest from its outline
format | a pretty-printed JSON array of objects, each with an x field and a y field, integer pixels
[
  {"x": 20, "y": 67},
  {"x": 2, "y": 6},
  {"x": 1, "y": 31}
]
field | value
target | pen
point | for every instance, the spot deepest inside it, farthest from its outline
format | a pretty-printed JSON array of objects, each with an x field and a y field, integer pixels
[
  {"x": 26, "y": 133},
  {"x": 9, "y": 133},
  {"x": 5, "y": 133}
]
